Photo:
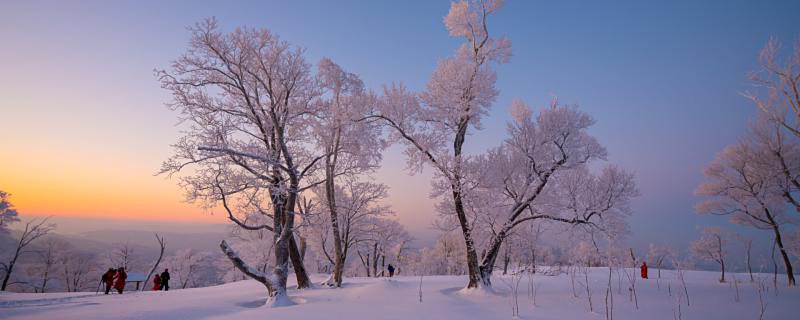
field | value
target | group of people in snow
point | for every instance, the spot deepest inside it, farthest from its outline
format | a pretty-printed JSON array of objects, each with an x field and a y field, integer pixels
[
  {"x": 116, "y": 278},
  {"x": 161, "y": 282}
]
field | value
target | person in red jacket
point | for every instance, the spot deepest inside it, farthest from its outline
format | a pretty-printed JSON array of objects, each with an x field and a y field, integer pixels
[
  {"x": 157, "y": 283},
  {"x": 108, "y": 279},
  {"x": 119, "y": 284},
  {"x": 644, "y": 270}
]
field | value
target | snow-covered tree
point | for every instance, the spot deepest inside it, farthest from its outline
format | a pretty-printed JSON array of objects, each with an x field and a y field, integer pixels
[
  {"x": 445, "y": 257},
  {"x": 747, "y": 243},
  {"x": 248, "y": 99},
  {"x": 192, "y": 268},
  {"x": 781, "y": 81},
  {"x": 712, "y": 246},
  {"x": 777, "y": 157},
  {"x": 584, "y": 254},
  {"x": 357, "y": 208},
  {"x": 387, "y": 236},
  {"x": 753, "y": 182},
  {"x": 8, "y": 214},
  {"x": 33, "y": 230},
  {"x": 540, "y": 173},
  {"x": 184, "y": 265},
  {"x": 351, "y": 146},
  {"x": 123, "y": 255},
  {"x": 434, "y": 124},
  {"x": 402, "y": 251},
  {"x": 44, "y": 271},
  {"x": 76, "y": 268},
  {"x": 659, "y": 255},
  {"x": 378, "y": 243}
]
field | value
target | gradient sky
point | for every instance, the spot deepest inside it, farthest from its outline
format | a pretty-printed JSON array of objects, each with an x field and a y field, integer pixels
[{"x": 83, "y": 127}]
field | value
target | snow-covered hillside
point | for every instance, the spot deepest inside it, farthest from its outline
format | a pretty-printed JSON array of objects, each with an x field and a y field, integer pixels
[{"x": 398, "y": 298}]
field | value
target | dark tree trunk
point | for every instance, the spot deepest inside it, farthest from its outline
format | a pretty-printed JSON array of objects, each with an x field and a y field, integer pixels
[
  {"x": 383, "y": 263},
  {"x": 375, "y": 260},
  {"x": 297, "y": 263},
  {"x": 779, "y": 242},
  {"x": 506, "y": 260},
  {"x": 786, "y": 261},
  {"x": 10, "y": 267},
  {"x": 7, "y": 276},
  {"x": 303, "y": 247},
  {"x": 365, "y": 262},
  {"x": 490, "y": 257},
  {"x": 330, "y": 194},
  {"x": 472, "y": 255},
  {"x": 44, "y": 280}
]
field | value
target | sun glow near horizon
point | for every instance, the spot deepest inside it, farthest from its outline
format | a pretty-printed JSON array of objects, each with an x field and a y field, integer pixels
[{"x": 42, "y": 182}]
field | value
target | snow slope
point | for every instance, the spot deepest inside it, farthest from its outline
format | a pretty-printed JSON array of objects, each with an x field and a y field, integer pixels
[{"x": 398, "y": 298}]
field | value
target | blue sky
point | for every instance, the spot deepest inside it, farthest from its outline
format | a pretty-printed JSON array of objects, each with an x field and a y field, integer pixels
[{"x": 662, "y": 78}]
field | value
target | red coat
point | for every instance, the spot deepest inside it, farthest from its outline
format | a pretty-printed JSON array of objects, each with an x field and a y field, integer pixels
[
  {"x": 644, "y": 270},
  {"x": 109, "y": 278},
  {"x": 157, "y": 283},
  {"x": 120, "y": 282}
]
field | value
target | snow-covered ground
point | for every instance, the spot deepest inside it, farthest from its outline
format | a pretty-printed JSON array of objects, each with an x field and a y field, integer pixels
[{"x": 398, "y": 298}]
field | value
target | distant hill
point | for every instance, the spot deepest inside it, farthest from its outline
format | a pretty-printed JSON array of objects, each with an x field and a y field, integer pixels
[
  {"x": 202, "y": 241},
  {"x": 100, "y": 235}
]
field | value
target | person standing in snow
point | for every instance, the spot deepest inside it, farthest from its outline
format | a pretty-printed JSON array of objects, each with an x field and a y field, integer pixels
[
  {"x": 165, "y": 280},
  {"x": 157, "y": 283},
  {"x": 391, "y": 270},
  {"x": 120, "y": 282},
  {"x": 108, "y": 279},
  {"x": 644, "y": 270}
]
